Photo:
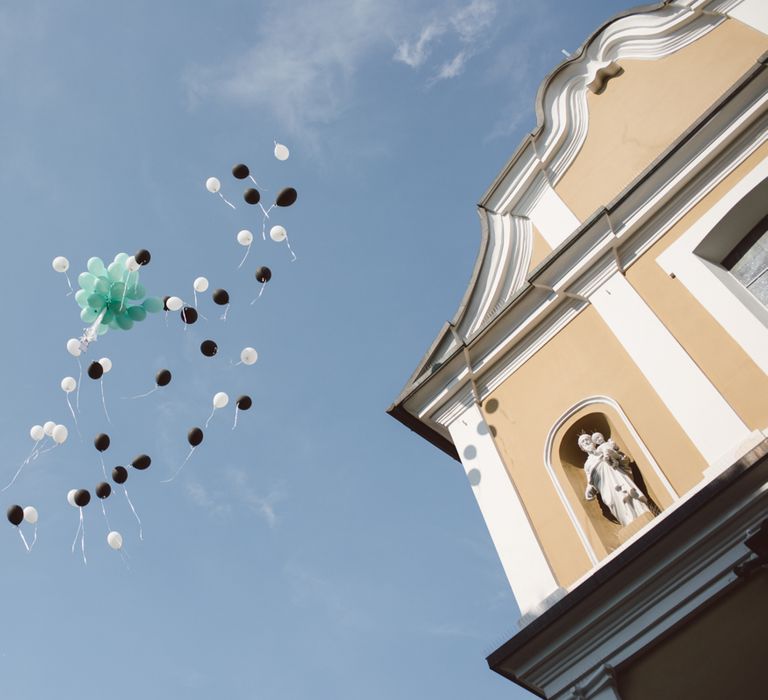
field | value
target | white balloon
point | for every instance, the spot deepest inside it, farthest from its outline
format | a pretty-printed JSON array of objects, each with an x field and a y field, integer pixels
[
  {"x": 220, "y": 400},
  {"x": 248, "y": 356},
  {"x": 37, "y": 433},
  {"x": 200, "y": 284},
  {"x": 213, "y": 185},
  {"x": 60, "y": 434},
  {"x": 73, "y": 347},
  {"x": 115, "y": 540},
  {"x": 281, "y": 151},
  {"x": 48, "y": 427},
  {"x": 71, "y": 497},
  {"x": 68, "y": 384},
  {"x": 30, "y": 514},
  {"x": 131, "y": 265},
  {"x": 278, "y": 233},
  {"x": 174, "y": 303},
  {"x": 60, "y": 264},
  {"x": 245, "y": 237},
  {"x": 106, "y": 364}
]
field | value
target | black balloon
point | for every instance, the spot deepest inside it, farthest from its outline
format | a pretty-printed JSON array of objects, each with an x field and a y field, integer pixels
[
  {"x": 240, "y": 171},
  {"x": 195, "y": 437},
  {"x": 209, "y": 348},
  {"x": 165, "y": 302},
  {"x": 251, "y": 195},
  {"x": 221, "y": 297},
  {"x": 82, "y": 497},
  {"x": 103, "y": 489},
  {"x": 143, "y": 257},
  {"x": 15, "y": 515},
  {"x": 141, "y": 462},
  {"x": 101, "y": 442},
  {"x": 263, "y": 274},
  {"x": 244, "y": 402},
  {"x": 119, "y": 475},
  {"x": 189, "y": 315},
  {"x": 286, "y": 197},
  {"x": 163, "y": 377},
  {"x": 95, "y": 370}
]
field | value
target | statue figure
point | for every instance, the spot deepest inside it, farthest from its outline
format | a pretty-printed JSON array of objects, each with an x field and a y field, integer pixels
[{"x": 609, "y": 475}]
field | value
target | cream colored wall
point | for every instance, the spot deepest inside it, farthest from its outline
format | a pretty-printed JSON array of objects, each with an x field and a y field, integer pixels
[
  {"x": 643, "y": 111},
  {"x": 740, "y": 381},
  {"x": 583, "y": 359},
  {"x": 541, "y": 249}
]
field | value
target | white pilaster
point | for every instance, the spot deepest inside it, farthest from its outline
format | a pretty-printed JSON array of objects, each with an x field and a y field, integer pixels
[
  {"x": 752, "y": 12},
  {"x": 702, "y": 412},
  {"x": 551, "y": 215},
  {"x": 521, "y": 555}
]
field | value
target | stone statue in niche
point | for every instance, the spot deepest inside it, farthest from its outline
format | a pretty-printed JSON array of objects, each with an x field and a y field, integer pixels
[{"x": 609, "y": 475}]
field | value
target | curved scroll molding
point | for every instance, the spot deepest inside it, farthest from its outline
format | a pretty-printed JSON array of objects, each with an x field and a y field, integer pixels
[{"x": 549, "y": 445}]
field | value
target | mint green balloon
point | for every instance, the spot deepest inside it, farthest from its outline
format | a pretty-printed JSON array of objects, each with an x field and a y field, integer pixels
[
  {"x": 102, "y": 329},
  {"x": 136, "y": 313},
  {"x": 122, "y": 258},
  {"x": 81, "y": 297},
  {"x": 96, "y": 267},
  {"x": 96, "y": 302},
  {"x": 116, "y": 271},
  {"x": 101, "y": 286},
  {"x": 137, "y": 291},
  {"x": 116, "y": 291},
  {"x": 124, "y": 321},
  {"x": 86, "y": 280},
  {"x": 88, "y": 315},
  {"x": 113, "y": 324},
  {"x": 153, "y": 304},
  {"x": 107, "y": 317}
]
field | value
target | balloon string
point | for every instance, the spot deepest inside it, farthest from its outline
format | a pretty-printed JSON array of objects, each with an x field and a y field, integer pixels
[
  {"x": 103, "y": 401},
  {"x": 69, "y": 283},
  {"x": 23, "y": 539},
  {"x": 23, "y": 464},
  {"x": 82, "y": 538},
  {"x": 124, "y": 557},
  {"x": 77, "y": 534},
  {"x": 106, "y": 519},
  {"x": 176, "y": 473},
  {"x": 211, "y": 416},
  {"x": 263, "y": 229},
  {"x": 223, "y": 316},
  {"x": 257, "y": 184},
  {"x": 47, "y": 449},
  {"x": 237, "y": 410},
  {"x": 34, "y": 538},
  {"x": 227, "y": 201},
  {"x": 166, "y": 319},
  {"x": 125, "y": 291},
  {"x": 103, "y": 468},
  {"x": 79, "y": 381},
  {"x": 247, "y": 250},
  {"x": 74, "y": 417},
  {"x": 290, "y": 250},
  {"x": 194, "y": 291},
  {"x": 141, "y": 396},
  {"x": 266, "y": 211},
  {"x": 261, "y": 291},
  {"x": 136, "y": 515}
]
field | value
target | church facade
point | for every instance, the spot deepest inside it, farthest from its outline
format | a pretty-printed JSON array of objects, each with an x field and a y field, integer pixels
[{"x": 604, "y": 384}]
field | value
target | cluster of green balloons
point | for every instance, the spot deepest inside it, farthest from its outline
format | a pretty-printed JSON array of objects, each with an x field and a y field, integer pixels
[{"x": 106, "y": 290}]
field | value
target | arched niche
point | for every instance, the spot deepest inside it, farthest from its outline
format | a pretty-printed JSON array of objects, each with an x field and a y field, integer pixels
[{"x": 599, "y": 531}]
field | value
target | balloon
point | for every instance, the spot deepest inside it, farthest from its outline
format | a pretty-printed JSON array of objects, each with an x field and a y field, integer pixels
[
  {"x": 251, "y": 195},
  {"x": 221, "y": 297},
  {"x": 106, "y": 364},
  {"x": 245, "y": 237},
  {"x": 281, "y": 151},
  {"x": 264, "y": 274},
  {"x": 88, "y": 315},
  {"x": 189, "y": 315},
  {"x": 124, "y": 321},
  {"x": 71, "y": 497},
  {"x": 30, "y": 514},
  {"x": 82, "y": 498},
  {"x": 136, "y": 313},
  {"x": 60, "y": 264},
  {"x": 142, "y": 257},
  {"x": 48, "y": 427},
  {"x": 240, "y": 171},
  {"x": 86, "y": 280},
  {"x": 60, "y": 434},
  {"x": 141, "y": 462},
  {"x": 103, "y": 489},
  {"x": 96, "y": 267},
  {"x": 174, "y": 303},
  {"x": 132, "y": 265},
  {"x": 15, "y": 515},
  {"x": 244, "y": 402},
  {"x": 248, "y": 356},
  {"x": 165, "y": 303},
  {"x": 73, "y": 347},
  {"x": 200, "y": 284},
  {"x": 163, "y": 377},
  {"x": 209, "y": 348},
  {"x": 119, "y": 475},
  {"x": 115, "y": 271},
  {"x": 68, "y": 384},
  {"x": 135, "y": 291},
  {"x": 286, "y": 197},
  {"x": 95, "y": 370},
  {"x": 101, "y": 442},
  {"x": 220, "y": 399},
  {"x": 115, "y": 540},
  {"x": 213, "y": 185},
  {"x": 37, "y": 433},
  {"x": 278, "y": 233},
  {"x": 195, "y": 437},
  {"x": 152, "y": 305}
]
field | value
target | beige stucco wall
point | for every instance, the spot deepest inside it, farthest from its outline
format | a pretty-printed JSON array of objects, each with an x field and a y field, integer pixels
[
  {"x": 583, "y": 359},
  {"x": 540, "y": 249},
  {"x": 642, "y": 112}
]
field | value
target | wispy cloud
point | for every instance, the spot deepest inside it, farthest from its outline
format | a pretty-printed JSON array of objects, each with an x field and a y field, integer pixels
[{"x": 414, "y": 53}]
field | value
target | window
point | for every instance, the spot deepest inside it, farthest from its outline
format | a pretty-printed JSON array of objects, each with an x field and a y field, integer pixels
[{"x": 748, "y": 261}]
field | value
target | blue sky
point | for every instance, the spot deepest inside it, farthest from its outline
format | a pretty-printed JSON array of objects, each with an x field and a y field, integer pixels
[{"x": 320, "y": 550}]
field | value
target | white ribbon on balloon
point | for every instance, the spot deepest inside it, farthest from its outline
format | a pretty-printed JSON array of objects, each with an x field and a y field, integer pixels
[
  {"x": 32, "y": 455},
  {"x": 103, "y": 400},
  {"x": 186, "y": 459},
  {"x": 261, "y": 291},
  {"x": 135, "y": 514},
  {"x": 80, "y": 528}
]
